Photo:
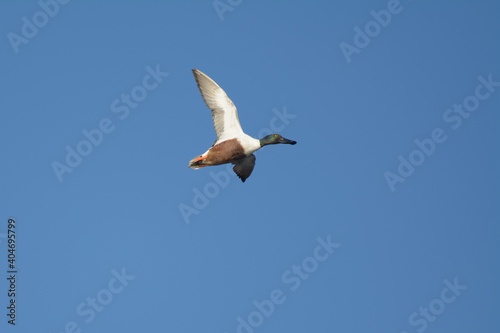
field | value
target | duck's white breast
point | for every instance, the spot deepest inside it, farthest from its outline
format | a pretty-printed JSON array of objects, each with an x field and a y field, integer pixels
[{"x": 249, "y": 144}]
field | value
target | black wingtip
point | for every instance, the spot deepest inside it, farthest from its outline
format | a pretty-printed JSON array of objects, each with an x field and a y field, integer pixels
[{"x": 241, "y": 177}]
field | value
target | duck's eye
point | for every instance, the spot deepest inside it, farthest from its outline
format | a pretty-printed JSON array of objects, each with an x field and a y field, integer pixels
[{"x": 275, "y": 135}]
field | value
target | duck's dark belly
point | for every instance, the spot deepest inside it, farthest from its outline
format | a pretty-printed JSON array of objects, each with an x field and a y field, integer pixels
[{"x": 225, "y": 152}]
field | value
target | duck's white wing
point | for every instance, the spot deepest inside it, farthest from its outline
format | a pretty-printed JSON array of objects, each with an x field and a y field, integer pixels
[{"x": 224, "y": 114}]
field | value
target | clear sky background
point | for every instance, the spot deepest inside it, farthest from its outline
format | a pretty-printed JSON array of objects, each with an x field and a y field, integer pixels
[{"x": 339, "y": 233}]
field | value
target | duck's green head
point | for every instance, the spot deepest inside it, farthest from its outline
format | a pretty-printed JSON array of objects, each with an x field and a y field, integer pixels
[{"x": 273, "y": 139}]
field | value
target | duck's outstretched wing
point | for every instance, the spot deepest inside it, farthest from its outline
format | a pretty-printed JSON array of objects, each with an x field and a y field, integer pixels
[
  {"x": 224, "y": 114},
  {"x": 244, "y": 167}
]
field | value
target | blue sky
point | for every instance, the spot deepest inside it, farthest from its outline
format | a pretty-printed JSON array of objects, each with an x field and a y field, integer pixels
[{"x": 383, "y": 218}]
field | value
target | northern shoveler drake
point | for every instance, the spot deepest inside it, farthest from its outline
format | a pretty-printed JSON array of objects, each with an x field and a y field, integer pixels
[{"x": 232, "y": 144}]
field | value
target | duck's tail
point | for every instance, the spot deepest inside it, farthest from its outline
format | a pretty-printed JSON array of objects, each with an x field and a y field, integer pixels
[{"x": 198, "y": 162}]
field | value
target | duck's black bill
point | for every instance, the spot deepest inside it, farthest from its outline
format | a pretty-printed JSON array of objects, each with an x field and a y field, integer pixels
[{"x": 290, "y": 142}]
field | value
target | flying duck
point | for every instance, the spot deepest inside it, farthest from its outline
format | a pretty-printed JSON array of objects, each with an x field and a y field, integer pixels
[{"x": 232, "y": 144}]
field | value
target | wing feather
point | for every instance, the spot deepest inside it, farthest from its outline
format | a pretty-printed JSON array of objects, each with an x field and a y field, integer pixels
[
  {"x": 224, "y": 113},
  {"x": 243, "y": 168}
]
